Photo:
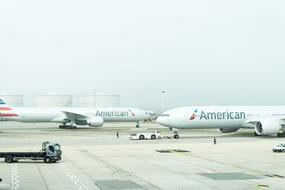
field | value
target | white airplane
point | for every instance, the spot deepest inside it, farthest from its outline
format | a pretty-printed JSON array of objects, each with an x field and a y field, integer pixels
[
  {"x": 70, "y": 117},
  {"x": 264, "y": 120}
]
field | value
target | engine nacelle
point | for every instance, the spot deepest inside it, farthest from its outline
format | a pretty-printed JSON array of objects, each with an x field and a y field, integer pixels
[
  {"x": 228, "y": 130},
  {"x": 95, "y": 122},
  {"x": 267, "y": 127}
]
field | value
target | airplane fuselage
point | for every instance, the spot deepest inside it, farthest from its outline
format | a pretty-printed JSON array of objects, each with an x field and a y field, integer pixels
[
  {"x": 57, "y": 115},
  {"x": 219, "y": 117}
]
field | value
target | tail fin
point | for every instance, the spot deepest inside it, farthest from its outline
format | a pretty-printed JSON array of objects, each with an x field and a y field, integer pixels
[
  {"x": 5, "y": 111},
  {"x": 2, "y": 103}
]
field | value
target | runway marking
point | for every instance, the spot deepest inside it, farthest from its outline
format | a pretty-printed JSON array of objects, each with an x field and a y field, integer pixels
[
  {"x": 120, "y": 171},
  {"x": 39, "y": 170},
  {"x": 73, "y": 178},
  {"x": 15, "y": 177},
  {"x": 167, "y": 170}
]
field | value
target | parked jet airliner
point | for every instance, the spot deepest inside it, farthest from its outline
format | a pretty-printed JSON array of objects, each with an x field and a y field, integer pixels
[
  {"x": 264, "y": 120},
  {"x": 70, "y": 117}
]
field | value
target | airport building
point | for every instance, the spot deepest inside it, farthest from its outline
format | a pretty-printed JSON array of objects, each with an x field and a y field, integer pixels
[
  {"x": 13, "y": 100},
  {"x": 59, "y": 100},
  {"x": 54, "y": 101},
  {"x": 99, "y": 100}
]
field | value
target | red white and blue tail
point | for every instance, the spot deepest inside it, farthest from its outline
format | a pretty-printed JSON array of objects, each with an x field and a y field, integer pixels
[{"x": 6, "y": 112}]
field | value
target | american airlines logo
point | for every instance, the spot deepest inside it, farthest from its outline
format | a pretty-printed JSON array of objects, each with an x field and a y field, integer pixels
[
  {"x": 115, "y": 113},
  {"x": 132, "y": 113},
  {"x": 194, "y": 115},
  {"x": 218, "y": 115}
]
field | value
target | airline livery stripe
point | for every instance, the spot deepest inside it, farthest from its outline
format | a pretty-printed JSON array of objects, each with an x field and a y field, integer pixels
[
  {"x": 9, "y": 115},
  {"x": 5, "y": 109}
]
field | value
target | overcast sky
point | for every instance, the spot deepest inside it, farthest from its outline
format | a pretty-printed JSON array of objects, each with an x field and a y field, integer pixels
[{"x": 201, "y": 52}]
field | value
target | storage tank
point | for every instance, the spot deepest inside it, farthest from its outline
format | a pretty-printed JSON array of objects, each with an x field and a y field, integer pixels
[
  {"x": 54, "y": 101},
  {"x": 99, "y": 100},
  {"x": 13, "y": 100}
]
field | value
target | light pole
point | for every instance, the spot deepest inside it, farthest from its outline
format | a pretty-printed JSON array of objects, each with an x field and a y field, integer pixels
[
  {"x": 94, "y": 97},
  {"x": 163, "y": 92}
]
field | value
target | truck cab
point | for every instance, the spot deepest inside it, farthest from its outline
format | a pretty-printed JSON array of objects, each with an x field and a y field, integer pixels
[{"x": 52, "y": 152}]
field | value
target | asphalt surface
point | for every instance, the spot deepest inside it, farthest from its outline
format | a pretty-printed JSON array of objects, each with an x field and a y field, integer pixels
[{"x": 94, "y": 158}]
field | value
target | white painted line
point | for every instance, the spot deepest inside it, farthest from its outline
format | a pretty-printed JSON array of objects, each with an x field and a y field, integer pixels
[
  {"x": 73, "y": 178},
  {"x": 12, "y": 177},
  {"x": 15, "y": 178}
]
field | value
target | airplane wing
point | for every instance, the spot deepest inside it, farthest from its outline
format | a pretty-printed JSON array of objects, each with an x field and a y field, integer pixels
[
  {"x": 74, "y": 116},
  {"x": 81, "y": 119},
  {"x": 251, "y": 123}
]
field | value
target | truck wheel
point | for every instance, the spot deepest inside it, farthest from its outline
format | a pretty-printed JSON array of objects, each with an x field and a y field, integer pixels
[
  {"x": 153, "y": 137},
  {"x": 141, "y": 137},
  {"x": 176, "y": 136},
  {"x": 9, "y": 159},
  {"x": 47, "y": 159}
]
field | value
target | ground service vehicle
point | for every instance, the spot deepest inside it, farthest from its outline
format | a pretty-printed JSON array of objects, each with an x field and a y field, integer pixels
[
  {"x": 50, "y": 152},
  {"x": 279, "y": 148},
  {"x": 144, "y": 135}
]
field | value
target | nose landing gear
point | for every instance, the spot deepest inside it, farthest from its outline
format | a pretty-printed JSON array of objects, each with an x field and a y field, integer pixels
[
  {"x": 138, "y": 125},
  {"x": 176, "y": 134}
]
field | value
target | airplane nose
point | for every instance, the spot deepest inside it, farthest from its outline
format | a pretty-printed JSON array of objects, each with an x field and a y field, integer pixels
[
  {"x": 158, "y": 120},
  {"x": 161, "y": 120},
  {"x": 166, "y": 120}
]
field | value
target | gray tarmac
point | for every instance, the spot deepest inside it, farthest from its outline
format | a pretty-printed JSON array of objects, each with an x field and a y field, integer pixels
[{"x": 94, "y": 158}]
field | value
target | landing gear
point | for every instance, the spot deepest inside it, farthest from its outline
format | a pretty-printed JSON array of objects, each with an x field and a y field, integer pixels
[
  {"x": 282, "y": 134},
  {"x": 176, "y": 134},
  {"x": 138, "y": 125},
  {"x": 71, "y": 126},
  {"x": 64, "y": 126}
]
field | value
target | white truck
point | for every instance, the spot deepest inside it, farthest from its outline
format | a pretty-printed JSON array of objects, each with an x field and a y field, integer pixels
[
  {"x": 145, "y": 135},
  {"x": 279, "y": 148}
]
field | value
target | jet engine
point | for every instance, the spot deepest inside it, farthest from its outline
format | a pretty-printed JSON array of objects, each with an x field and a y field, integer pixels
[
  {"x": 267, "y": 127},
  {"x": 95, "y": 122},
  {"x": 228, "y": 130}
]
